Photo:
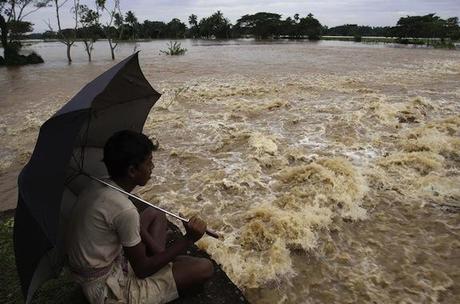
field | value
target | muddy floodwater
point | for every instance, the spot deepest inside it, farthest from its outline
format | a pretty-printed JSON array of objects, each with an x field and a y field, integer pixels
[{"x": 331, "y": 169}]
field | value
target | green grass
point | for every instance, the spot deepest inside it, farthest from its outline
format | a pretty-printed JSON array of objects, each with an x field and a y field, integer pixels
[
  {"x": 61, "y": 290},
  {"x": 10, "y": 291}
]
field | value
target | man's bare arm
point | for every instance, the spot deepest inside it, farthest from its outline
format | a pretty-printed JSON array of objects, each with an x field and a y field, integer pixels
[
  {"x": 145, "y": 266},
  {"x": 149, "y": 242}
]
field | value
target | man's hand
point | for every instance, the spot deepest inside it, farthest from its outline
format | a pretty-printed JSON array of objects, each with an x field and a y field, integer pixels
[{"x": 195, "y": 228}]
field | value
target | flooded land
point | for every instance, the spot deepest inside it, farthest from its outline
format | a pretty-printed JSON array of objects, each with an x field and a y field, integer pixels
[{"x": 331, "y": 169}]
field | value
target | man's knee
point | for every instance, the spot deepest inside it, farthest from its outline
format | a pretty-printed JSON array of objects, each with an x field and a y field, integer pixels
[{"x": 206, "y": 269}]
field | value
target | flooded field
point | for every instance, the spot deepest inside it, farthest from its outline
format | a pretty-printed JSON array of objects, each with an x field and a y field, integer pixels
[{"x": 331, "y": 169}]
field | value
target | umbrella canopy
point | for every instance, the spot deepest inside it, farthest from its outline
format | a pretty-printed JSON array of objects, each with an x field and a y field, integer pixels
[{"x": 70, "y": 142}]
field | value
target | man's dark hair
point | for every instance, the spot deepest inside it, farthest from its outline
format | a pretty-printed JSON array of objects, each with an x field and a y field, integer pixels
[{"x": 126, "y": 148}]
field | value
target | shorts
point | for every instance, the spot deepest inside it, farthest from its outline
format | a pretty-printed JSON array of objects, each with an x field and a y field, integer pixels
[{"x": 124, "y": 287}]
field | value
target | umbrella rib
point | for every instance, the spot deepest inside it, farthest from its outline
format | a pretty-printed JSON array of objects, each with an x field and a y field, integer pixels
[
  {"x": 72, "y": 177},
  {"x": 82, "y": 155},
  {"x": 85, "y": 135}
]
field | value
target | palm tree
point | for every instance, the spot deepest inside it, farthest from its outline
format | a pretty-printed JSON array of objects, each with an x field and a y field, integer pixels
[
  {"x": 132, "y": 21},
  {"x": 193, "y": 21}
]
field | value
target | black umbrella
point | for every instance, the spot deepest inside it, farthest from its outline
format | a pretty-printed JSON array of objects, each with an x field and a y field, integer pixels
[{"x": 68, "y": 144}]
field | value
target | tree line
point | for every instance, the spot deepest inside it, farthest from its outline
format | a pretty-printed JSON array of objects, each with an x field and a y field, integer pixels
[
  {"x": 119, "y": 26},
  {"x": 262, "y": 25},
  {"x": 427, "y": 26}
]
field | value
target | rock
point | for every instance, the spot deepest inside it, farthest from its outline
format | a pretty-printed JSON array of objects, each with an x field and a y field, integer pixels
[
  {"x": 17, "y": 59},
  {"x": 34, "y": 58}
]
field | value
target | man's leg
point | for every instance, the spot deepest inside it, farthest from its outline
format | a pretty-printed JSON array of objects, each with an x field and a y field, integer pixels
[
  {"x": 191, "y": 273},
  {"x": 153, "y": 229}
]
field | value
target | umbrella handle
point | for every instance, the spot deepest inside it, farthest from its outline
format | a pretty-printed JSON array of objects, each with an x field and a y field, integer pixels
[
  {"x": 212, "y": 233},
  {"x": 208, "y": 231}
]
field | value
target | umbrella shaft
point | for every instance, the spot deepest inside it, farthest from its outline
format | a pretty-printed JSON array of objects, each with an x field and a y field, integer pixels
[
  {"x": 208, "y": 231},
  {"x": 138, "y": 198}
]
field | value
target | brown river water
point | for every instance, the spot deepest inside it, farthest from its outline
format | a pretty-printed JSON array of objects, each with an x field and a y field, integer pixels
[{"x": 331, "y": 169}]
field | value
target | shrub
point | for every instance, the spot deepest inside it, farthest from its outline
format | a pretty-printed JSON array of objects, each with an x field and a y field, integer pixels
[{"x": 174, "y": 48}]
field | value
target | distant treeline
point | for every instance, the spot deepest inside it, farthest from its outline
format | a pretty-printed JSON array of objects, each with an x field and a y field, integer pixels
[
  {"x": 428, "y": 26},
  {"x": 263, "y": 26},
  {"x": 104, "y": 19}
]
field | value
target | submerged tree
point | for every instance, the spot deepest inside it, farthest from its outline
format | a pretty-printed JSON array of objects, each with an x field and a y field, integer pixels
[
  {"x": 13, "y": 26},
  {"x": 115, "y": 17},
  {"x": 66, "y": 36},
  {"x": 89, "y": 32}
]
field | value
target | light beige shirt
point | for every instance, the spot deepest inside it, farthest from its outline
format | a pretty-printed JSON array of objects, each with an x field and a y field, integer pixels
[{"x": 103, "y": 220}]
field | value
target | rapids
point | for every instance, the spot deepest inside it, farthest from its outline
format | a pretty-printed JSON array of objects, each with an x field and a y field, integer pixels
[{"x": 331, "y": 171}]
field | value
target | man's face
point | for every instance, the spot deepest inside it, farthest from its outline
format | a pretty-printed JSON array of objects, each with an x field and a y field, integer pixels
[{"x": 143, "y": 171}]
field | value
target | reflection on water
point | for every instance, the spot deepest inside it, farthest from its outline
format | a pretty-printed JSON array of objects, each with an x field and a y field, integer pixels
[{"x": 331, "y": 170}]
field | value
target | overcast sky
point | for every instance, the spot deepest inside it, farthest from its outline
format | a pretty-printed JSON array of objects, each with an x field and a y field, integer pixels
[{"x": 328, "y": 12}]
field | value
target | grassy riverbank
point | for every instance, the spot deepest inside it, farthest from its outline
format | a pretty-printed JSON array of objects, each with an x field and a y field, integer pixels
[{"x": 61, "y": 290}]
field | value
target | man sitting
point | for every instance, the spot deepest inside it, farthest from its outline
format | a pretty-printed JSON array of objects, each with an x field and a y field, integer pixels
[{"x": 105, "y": 224}]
